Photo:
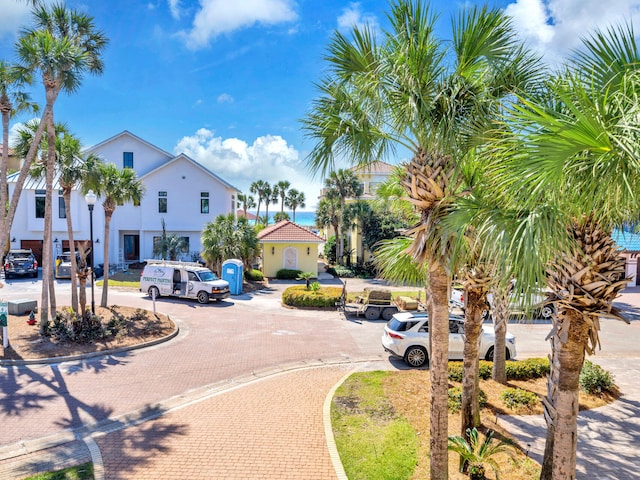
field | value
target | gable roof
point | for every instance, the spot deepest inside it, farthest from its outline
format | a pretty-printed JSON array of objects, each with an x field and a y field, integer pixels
[
  {"x": 182, "y": 156},
  {"x": 289, "y": 232},
  {"x": 126, "y": 133},
  {"x": 250, "y": 216}
]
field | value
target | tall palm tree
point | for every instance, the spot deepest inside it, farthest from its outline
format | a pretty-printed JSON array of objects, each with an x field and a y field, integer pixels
[
  {"x": 70, "y": 170},
  {"x": 280, "y": 189},
  {"x": 62, "y": 46},
  {"x": 328, "y": 213},
  {"x": 295, "y": 200},
  {"x": 269, "y": 197},
  {"x": 115, "y": 187},
  {"x": 346, "y": 184},
  {"x": 13, "y": 100},
  {"x": 247, "y": 202},
  {"x": 568, "y": 142},
  {"x": 258, "y": 188},
  {"x": 409, "y": 91}
]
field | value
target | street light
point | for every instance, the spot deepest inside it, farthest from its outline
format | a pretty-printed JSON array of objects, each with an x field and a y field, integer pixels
[{"x": 91, "y": 198}]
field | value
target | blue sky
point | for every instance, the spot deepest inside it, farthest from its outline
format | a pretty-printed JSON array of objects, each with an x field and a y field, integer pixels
[{"x": 226, "y": 82}]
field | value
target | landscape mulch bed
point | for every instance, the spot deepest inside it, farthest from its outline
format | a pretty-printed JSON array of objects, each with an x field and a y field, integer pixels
[{"x": 26, "y": 343}]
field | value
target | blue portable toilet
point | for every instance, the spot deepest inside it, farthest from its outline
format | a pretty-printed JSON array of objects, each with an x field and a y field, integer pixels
[{"x": 232, "y": 273}]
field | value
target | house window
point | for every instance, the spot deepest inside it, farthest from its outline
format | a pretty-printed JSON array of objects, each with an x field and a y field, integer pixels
[
  {"x": 204, "y": 202},
  {"x": 127, "y": 160},
  {"x": 62, "y": 213},
  {"x": 40, "y": 203},
  {"x": 162, "y": 202}
]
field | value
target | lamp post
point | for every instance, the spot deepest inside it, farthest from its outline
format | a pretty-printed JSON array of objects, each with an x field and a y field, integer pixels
[{"x": 91, "y": 198}]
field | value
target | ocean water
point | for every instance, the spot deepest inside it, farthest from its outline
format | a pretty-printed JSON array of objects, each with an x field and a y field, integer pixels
[{"x": 305, "y": 219}]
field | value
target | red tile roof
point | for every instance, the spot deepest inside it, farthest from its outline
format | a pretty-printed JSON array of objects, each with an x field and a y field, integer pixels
[
  {"x": 287, "y": 231},
  {"x": 375, "y": 167},
  {"x": 250, "y": 216}
]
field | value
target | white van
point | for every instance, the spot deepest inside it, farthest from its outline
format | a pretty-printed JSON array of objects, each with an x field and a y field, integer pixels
[{"x": 182, "y": 279}]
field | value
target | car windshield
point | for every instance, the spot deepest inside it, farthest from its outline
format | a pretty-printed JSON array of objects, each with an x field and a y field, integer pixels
[
  {"x": 207, "y": 276},
  {"x": 400, "y": 326}
]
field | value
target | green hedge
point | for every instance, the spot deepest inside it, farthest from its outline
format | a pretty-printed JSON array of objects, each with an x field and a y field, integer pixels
[
  {"x": 254, "y": 275},
  {"x": 287, "y": 274},
  {"x": 455, "y": 370},
  {"x": 299, "y": 296},
  {"x": 527, "y": 369}
]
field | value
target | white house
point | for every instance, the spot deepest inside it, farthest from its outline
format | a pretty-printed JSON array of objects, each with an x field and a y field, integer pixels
[{"x": 178, "y": 190}]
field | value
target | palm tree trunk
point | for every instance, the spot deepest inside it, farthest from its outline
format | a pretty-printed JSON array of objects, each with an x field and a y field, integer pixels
[
  {"x": 569, "y": 341},
  {"x": 82, "y": 280},
  {"x": 105, "y": 278},
  {"x": 470, "y": 409},
  {"x": 439, "y": 337},
  {"x": 500, "y": 315},
  {"x": 339, "y": 241},
  {"x": 72, "y": 248},
  {"x": 4, "y": 237},
  {"x": 51, "y": 166}
]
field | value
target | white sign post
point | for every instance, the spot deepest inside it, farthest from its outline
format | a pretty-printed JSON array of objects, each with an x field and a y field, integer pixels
[{"x": 4, "y": 314}]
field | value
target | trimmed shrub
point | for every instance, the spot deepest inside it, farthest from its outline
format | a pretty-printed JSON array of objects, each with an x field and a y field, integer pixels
[
  {"x": 527, "y": 369},
  {"x": 330, "y": 249},
  {"x": 253, "y": 275},
  {"x": 517, "y": 398},
  {"x": 344, "y": 272},
  {"x": 454, "y": 402},
  {"x": 456, "y": 370},
  {"x": 594, "y": 379},
  {"x": 299, "y": 296},
  {"x": 287, "y": 274}
]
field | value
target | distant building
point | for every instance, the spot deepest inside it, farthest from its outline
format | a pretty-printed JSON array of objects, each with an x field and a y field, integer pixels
[
  {"x": 288, "y": 245},
  {"x": 178, "y": 190},
  {"x": 14, "y": 162}
]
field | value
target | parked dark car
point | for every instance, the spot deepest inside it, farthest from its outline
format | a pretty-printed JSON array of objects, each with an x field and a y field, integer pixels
[{"x": 20, "y": 262}]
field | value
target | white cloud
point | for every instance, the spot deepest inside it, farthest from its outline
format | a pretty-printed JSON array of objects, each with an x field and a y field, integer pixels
[
  {"x": 555, "y": 27},
  {"x": 225, "y": 98},
  {"x": 269, "y": 158},
  {"x": 217, "y": 17},
  {"x": 353, "y": 17},
  {"x": 174, "y": 8},
  {"x": 14, "y": 15}
]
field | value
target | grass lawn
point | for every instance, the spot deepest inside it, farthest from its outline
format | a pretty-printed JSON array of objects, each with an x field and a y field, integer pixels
[{"x": 381, "y": 425}]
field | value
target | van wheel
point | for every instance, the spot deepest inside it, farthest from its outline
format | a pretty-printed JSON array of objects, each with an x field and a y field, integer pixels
[
  {"x": 203, "y": 297},
  {"x": 153, "y": 291}
]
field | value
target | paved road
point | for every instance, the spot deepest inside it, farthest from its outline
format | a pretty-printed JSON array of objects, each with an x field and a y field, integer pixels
[{"x": 238, "y": 394}]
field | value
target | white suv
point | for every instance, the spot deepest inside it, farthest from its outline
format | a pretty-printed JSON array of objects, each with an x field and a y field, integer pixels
[{"x": 406, "y": 336}]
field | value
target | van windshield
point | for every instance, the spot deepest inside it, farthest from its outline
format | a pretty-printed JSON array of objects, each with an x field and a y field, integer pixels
[{"x": 207, "y": 276}]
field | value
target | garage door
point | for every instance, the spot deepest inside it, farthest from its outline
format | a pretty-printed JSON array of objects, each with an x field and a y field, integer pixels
[{"x": 35, "y": 246}]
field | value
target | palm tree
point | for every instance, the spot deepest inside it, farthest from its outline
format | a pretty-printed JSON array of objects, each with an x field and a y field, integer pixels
[
  {"x": 12, "y": 101},
  {"x": 295, "y": 200},
  {"x": 115, "y": 187},
  {"x": 62, "y": 46},
  {"x": 229, "y": 237},
  {"x": 478, "y": 454},
  {"x": 70, "y": 171},
  {"x": 247, "y": 202},
  {"x": 259, "y": 188},
  {"x": 280, "y": 189},
  {"x": 346, "y": 184},
  {"x": 409, "y": 91},
  {"x": 568, "y": 142},
  {"x": 328, "y": 213},
  {"x": 270, "y": 196}
]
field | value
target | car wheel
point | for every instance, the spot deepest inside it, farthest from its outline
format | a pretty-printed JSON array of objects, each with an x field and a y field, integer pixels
[
  {"x": 154, "y": 292},
  {"x": 203, "y": 297},
  {"x": 387, "y": 313},
  {"x": 372, "y": 313},
  {"x": 546, "y": 312},
  {"x": 416, "y": 356},
  {"x": 489, "y": 356}
]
